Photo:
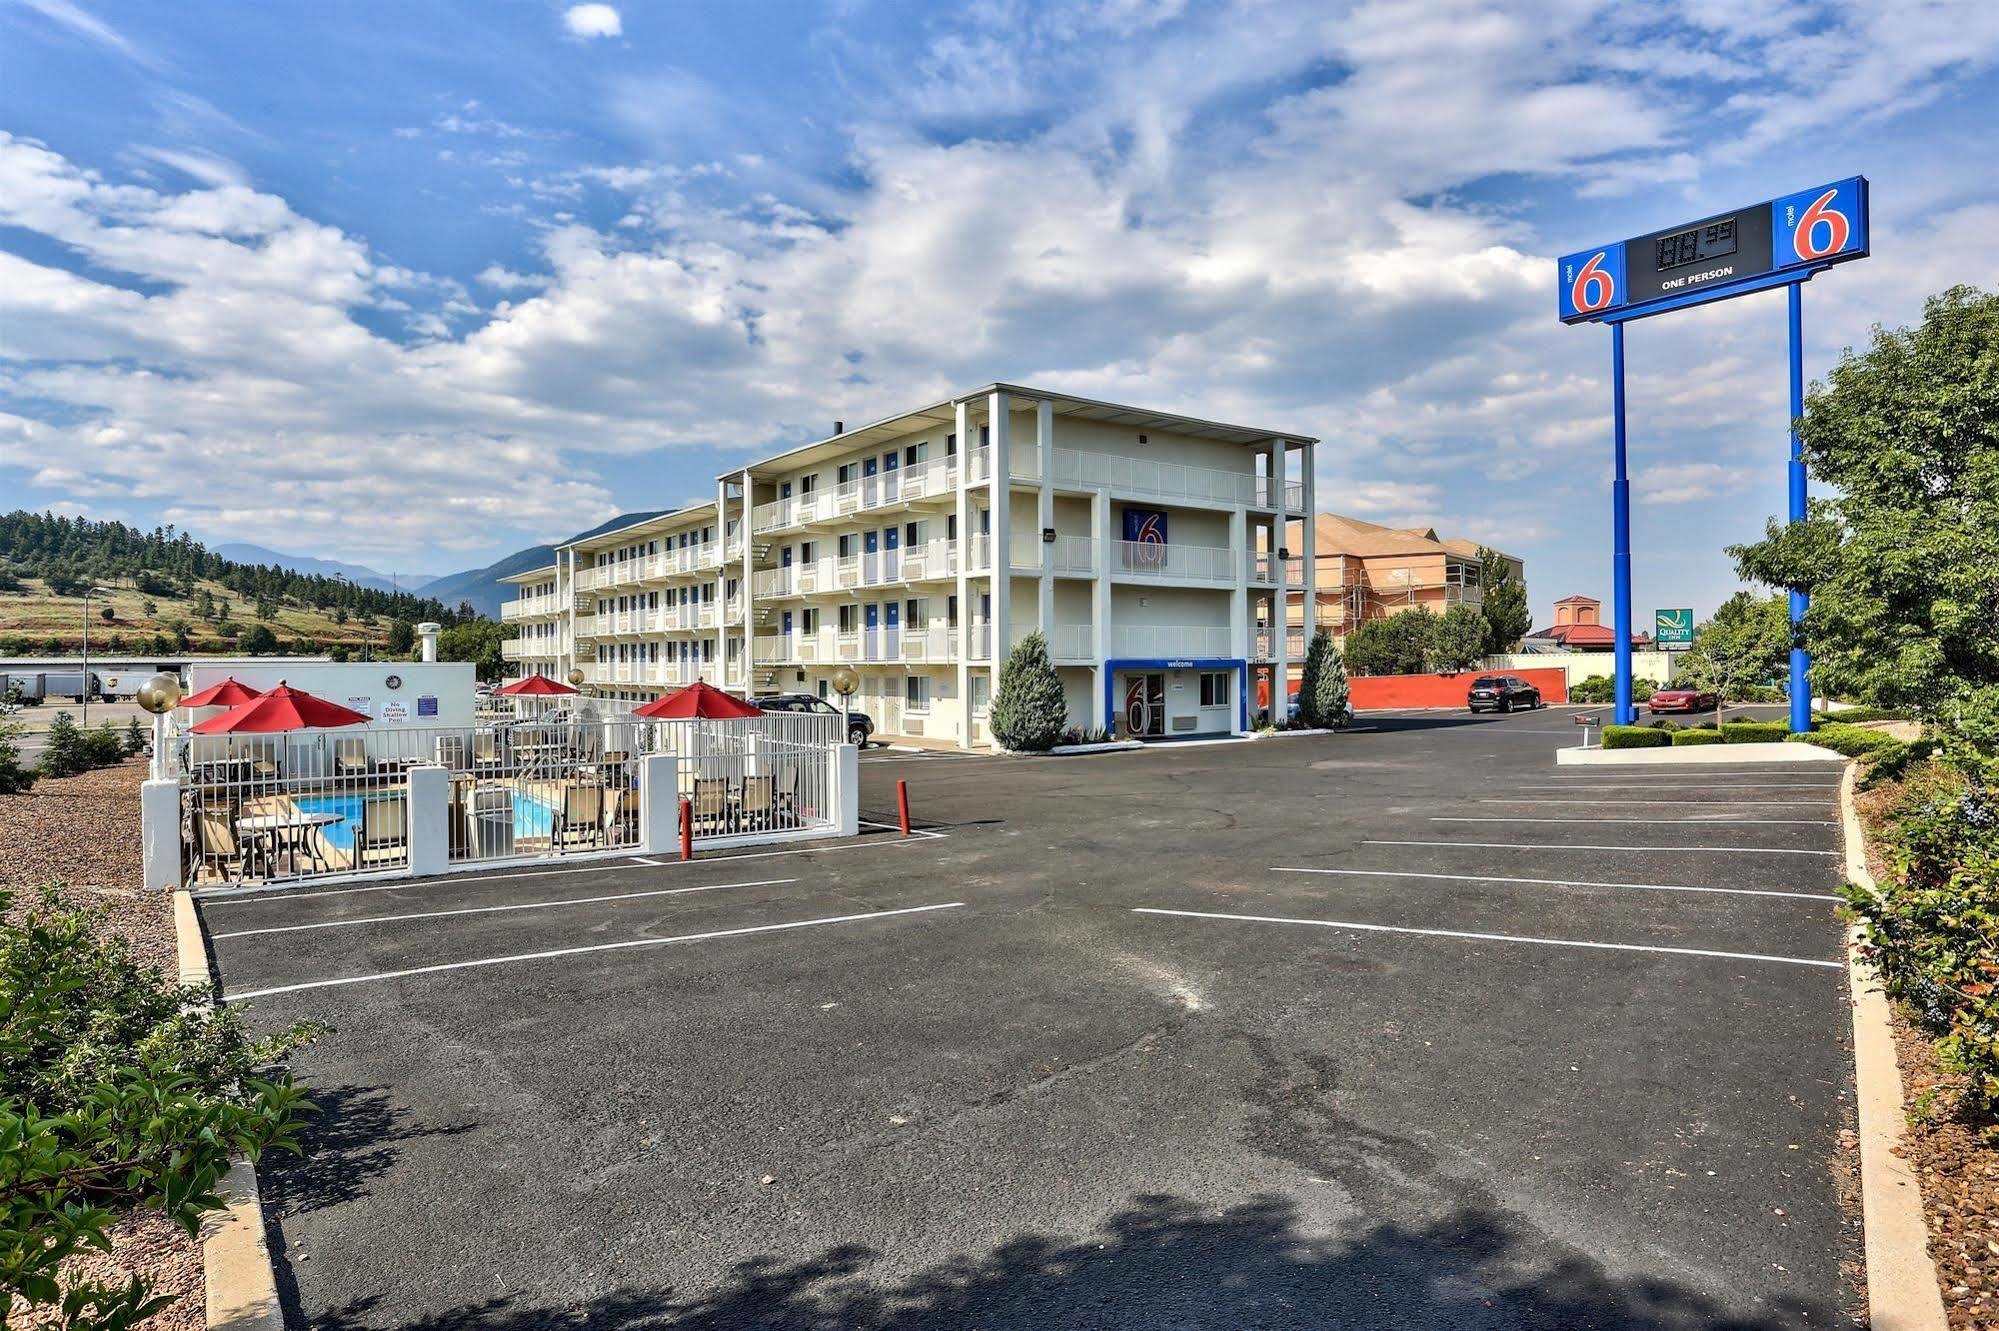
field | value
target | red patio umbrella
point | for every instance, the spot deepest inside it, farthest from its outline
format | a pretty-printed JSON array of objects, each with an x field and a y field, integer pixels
[
  {"x": 226, "y": 694},
  {"x": 534, "y": 686},
  {"x": 699, "y": 699},
  {"x": 283, "y": 708}
]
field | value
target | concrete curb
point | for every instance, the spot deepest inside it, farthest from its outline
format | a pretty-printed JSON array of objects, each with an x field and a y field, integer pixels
[
  {"x": 235, "y": 1260},
  {"x": 1696, "y": 754},
  {"x": 1902, "y": 1293}
]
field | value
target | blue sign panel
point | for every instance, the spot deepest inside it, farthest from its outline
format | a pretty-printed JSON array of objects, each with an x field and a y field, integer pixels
[
  {"x": 1145, "y": 538},
  {"x": 1718, "y": 254}
]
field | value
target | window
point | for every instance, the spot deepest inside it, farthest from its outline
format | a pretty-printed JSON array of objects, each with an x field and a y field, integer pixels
[
  {"x": 982, "y": 693},
  {"x": 846, "y": 544},
  {"x": 951, "y": 611},
  {"x": 822, "y": 689},
  {"x": 808, "y": 621},
  {"x": 916, "y": 693},
  {"x": 950, "y": 445},
  {"x": 985, "y": 435},
  {"x": 807, "y": 484},
  {"x": 805, "y": 552},
  {"x": 849, "y": 618},
  {"x": 1214, "y": 688}
]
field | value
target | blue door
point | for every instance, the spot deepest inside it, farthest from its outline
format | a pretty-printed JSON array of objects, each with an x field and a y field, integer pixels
[
  {"x": 894, "y": 644},
  {"x": 871, "y": 640},
  {"x": 871, "y": 557}
]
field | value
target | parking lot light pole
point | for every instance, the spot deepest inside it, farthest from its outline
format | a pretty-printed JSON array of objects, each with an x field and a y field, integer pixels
[{"x": 84, "y": 688}]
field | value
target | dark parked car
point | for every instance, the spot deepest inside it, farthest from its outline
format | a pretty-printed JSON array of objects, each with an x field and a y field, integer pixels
[
  {"x": 859, "y": 724},
  {"x": 1502, "y": 693},
  {"x": 1681, "y": 700}
]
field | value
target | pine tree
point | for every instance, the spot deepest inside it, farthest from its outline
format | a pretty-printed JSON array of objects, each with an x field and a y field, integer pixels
[
  {"x": 1322, "y": 694},
  {"x": 15, "y": 776},
  {"x": 64, "y": 754},
  {"x": 1029, "y": 713}
]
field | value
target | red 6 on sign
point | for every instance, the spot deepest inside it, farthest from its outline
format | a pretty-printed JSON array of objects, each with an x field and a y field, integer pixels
[
  {"x": 1836, "y": 225},
  {"x": 1592, "y": 289}
]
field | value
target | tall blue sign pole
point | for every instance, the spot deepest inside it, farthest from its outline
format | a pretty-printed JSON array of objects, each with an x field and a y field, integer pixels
[
  {"x": 1801, "y": 662},
  {"x": 1782, "y": 242},
  {"x": 1620, "y": 535}
]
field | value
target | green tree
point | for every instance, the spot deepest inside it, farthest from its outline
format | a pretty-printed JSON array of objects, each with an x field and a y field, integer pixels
[
  {"x": 121, "y": 1094},
  {"x": 402, "y": 639},
  {"x": 63, "y": 582},
  {"x": 1457, "y": 640},
  {"x": 1029, "y": 712},
  {"x": 1398, "y": 645},
  {"x": 64, "y": 752},
  {"x": 204, "y": 604},
  {"x": 15, "y": 775},
  {"x": 1322, "y": 692},
  {"x": 1507, "y": 617},
  {"x": 1747, "y": 642},
  {"x": 1901, "y": 558},
  {"x": 267, "y": 608},
  {"x": 136, "y": 737},
  {"x": 260, "y": 640},
  {"x": 108, "y": 614},
  {"x": 477, "y": 641}
]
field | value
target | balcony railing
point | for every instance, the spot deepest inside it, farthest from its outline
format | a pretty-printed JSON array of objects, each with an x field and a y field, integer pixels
[
  {"x": 530, "y": 607},
  {"x": 1172, "y": 561},
  {"x": 660, "y": 674},
  {"x": 1168, "y": 641},
  {"x": 926, "y": 480},
  {"x": 530, "y": 649}
]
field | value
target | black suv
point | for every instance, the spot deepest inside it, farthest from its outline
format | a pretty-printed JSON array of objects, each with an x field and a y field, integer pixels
[
  {"x": 1502, "y": 693},
  {"x": 859, "y": 724}
]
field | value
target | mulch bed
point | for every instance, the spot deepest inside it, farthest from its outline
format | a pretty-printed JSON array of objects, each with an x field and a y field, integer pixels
[
  {"x": 1957, "y": 1162},
  {"x": 84, "y": 831}
]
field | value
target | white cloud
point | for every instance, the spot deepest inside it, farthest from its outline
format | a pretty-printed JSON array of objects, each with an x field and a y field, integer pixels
[
  {"x": 1690, "y": 482},
  {"x": 587, "y": 21}
]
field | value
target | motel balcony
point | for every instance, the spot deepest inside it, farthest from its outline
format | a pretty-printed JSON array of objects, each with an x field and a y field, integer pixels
[
  {"x": 531, "y": 649},
  {"x": 530, "y": 607},
  {"x": 1205, "y": 487},
  {"x": 656, "y": 674},
  {"x": 1171, "y": 641}
]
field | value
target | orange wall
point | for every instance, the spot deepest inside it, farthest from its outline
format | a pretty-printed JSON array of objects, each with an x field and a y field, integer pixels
[{"x": 1371, "y": 692}]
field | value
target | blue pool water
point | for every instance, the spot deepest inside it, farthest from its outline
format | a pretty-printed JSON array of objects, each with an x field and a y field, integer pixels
[{"x": 532, "y": 817}]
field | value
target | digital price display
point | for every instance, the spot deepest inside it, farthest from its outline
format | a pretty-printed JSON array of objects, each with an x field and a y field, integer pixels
[{"x": 1716, "y": 240}]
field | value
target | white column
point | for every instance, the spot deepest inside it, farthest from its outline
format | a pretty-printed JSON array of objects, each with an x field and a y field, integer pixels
[
  {"x": 659, "y": 804},
  {"x": 964, "y": 555},
  {"x": 997, "y": 411},
  {"x": 429, "y": 820},
  {"x": 1309, "y": 538},
  {"x": 846, "y": 793},
  {"x": 722, "y": 578},
  {"x": 1240, "y": 637},
  {"x": 565, "y": 587},
  {"x": 159, "y": 822},
  {"x": 749, "y": 618},
  {"x": 1280, "y": 604},
  {"x": 1100, "y": 602},
  {"x": 1044, "y": 436}
]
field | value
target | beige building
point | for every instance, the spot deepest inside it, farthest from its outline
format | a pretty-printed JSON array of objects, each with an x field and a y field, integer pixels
[{"x": 919, "y": 548}]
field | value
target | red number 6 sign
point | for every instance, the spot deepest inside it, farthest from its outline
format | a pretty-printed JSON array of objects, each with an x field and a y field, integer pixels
[{"x": 1822, "y": 213}]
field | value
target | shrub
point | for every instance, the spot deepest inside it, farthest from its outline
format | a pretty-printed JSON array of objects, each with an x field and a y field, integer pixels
[
  {"x": 64, "y": 753},
  {"x": 121, "y": 1095},
  {"x": 136, "y": 738},
  {"x": 1930, "y": 926},
  {"x": 1635, "y": 737},
  {"x": 1755, "y": 732},
  {"x": 15, "y": 775},
  {"x": 1696, "y": 736},
  {"x": 1029, "y": 712},
  {"x": 1855, "y": 715},
  {"x": 1322, "y": 693},
  {"x": 1602, "y": 688},
  {"x": 104, "y": 747},
  {"x": 1853, "y": 741}
]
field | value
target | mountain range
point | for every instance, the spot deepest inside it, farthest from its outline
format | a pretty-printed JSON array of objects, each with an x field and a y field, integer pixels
[
  {"x": 482, "y": 586},
  {"x": 360, "y": 574}
]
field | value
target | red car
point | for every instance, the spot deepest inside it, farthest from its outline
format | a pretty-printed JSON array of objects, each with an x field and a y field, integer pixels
[{"x": 1682, "y": 700}]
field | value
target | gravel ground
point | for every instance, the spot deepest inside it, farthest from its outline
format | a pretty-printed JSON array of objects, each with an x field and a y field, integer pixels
[
  {"x": 84, "y": 830},
  {"x": 1956, "y": 1160}
]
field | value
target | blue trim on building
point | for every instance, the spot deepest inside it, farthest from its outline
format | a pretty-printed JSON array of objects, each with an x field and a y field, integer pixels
[{"x": 1235, "y": 663}]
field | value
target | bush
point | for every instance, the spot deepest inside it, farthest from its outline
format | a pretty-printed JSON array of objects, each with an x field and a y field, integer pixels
[
  {"x": 1755, "y": 732},
  {"x": 136, "y": 738},
  {"x": 1029, "y": 712},
  {"x": 1322, "y": 693},
  {"x": 1696, "y": 736},
  {"x": 65, "y": 753},
  {"x": 1602, "y": 688},
  {"x": 121, "y": 1094},
  {"x": 104, "y": 747},
  {"x": 15, "y": 775},
  {"x": 1930, "y": 928},
  {"x": 1853, "y": 741},
  {"x": 1635, "y": 737},
  {"x": 1855, "y": 715}
]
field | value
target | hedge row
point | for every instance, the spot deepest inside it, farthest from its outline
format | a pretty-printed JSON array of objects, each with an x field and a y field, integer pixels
[
  {"x": 1853, "y": 741},
  {"x": 1635, "y": 737},
  {"x": 1755, "y": 732},
  {"x": 1684, "y": 738}
]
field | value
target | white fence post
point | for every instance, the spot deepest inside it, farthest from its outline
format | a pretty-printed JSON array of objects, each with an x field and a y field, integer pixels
[
  {"x": 429, "y": 820},
  {"x": 846, "y": 799},
  {"x": 659, "y": 803},
  {"x": 159, "y": 822}
]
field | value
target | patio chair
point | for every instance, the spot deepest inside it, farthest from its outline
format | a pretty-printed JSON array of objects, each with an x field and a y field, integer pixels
[
  {"x": 759, "y": 801},
  {"x": 787, "y": 792},
  {"x": 711, "y": 805},
  {"x": 621, "y": 816},
  {"x": 579, "y": 821},
  {"x": 218, "y": 843},
  {"x": 384, "y": 833},
  {"x": 350, "y": 757},
  {"x": 450, "y": 752},
  {"x": 485, "y": 749},
  {"x": 263, "y": 762}
]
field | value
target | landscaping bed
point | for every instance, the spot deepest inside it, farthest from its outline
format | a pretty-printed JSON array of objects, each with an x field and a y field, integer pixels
[
  {"x": 84, "y": 831},
  {"x": 1954, "y": 1152}
]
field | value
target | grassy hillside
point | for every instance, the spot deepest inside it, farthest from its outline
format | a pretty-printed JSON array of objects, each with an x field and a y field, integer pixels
[{"x": 33, "y": 621}]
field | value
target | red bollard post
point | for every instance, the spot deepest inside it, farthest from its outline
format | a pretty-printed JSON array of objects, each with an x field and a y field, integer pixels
[
  {"x": 902, "y": 804},
  {"x": 686, "y": 829}
]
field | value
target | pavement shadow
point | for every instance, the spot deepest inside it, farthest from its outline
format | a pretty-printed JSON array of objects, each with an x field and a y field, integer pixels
[
  {"x": 354, "y": 1138},
  {"x": 1162, "y": 1261}
]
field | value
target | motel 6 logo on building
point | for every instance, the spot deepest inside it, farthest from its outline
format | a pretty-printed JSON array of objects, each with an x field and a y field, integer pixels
[{"x": 1592, "y": 280}]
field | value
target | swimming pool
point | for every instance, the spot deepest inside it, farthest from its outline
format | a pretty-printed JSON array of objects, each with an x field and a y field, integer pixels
[{"x": 533, "y": 816}]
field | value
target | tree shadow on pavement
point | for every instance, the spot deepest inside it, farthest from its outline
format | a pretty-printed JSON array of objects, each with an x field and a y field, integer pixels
[
  {"x": 351, "y": 1140},
  {"x": 1162, "y": 1262}
]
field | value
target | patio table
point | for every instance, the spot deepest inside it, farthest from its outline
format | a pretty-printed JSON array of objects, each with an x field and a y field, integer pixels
[{"x": 287, "y": 833}]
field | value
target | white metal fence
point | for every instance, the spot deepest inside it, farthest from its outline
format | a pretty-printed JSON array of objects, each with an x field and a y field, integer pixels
[{"x": 331, "y": 804}]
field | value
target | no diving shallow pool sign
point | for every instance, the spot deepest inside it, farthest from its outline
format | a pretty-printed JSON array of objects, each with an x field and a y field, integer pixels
[{"x": 1673, "y": 630}]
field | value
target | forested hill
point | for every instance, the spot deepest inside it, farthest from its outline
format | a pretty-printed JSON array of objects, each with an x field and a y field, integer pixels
[{"x": 68, "y": 554}]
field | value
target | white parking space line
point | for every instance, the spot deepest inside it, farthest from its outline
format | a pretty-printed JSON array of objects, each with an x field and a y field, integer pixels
[
  {"x": 893, "y": 827},
  {"x": 229, "y": 896},
  {"x": 491, "y": 910},
  {"x": 1491, "y": 938},
  {"x": 1727, "y": 819},
  {"x": 1672, "y": 850},
  {"x": 1830, "y": 786},
  {"x": 651, "y": 864},
  {"x": 581, "y": 951},
  {"x": 1677, "y": 803},
  {"x": 1562, "y": 882}
]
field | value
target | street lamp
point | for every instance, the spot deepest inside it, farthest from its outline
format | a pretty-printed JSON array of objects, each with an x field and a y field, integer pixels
[
  {"x": 160, "y": 695},
  {"x": 845, "y": 682},
  {"x": 84, "y": 689}
]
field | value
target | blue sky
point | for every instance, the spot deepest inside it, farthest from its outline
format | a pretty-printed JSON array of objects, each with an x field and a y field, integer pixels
[{"x": 416, "y": 285}]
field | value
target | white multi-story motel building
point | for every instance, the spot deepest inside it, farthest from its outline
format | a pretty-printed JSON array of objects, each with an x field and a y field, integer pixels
[{"x": 918, "y": 549}]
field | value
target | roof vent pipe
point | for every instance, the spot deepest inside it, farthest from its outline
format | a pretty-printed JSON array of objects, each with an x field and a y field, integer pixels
[
  {"x": 839, "y": 427},
  {"x": 427, "y": 632}
]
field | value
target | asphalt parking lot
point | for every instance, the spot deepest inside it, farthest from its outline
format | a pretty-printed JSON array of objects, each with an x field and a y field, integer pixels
[{"x": 1401, "y": 1028}]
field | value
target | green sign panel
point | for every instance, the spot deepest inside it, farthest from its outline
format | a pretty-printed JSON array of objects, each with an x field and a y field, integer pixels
[{"x": 1673, "y": 630}]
